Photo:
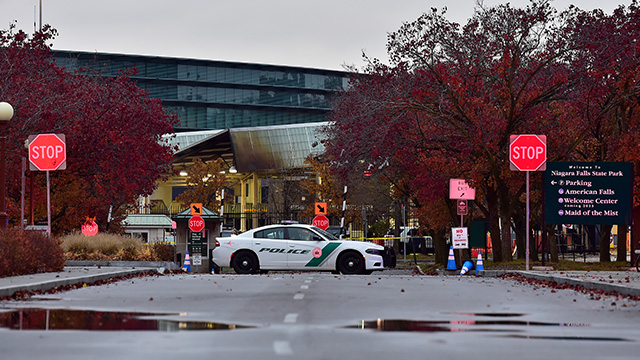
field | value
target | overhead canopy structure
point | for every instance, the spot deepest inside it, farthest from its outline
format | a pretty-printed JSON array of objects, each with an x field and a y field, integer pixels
[
  {"x": 207, "y": 145},
  {"x": 252, "y": 149},
  {"x": 146, "y": 221}
]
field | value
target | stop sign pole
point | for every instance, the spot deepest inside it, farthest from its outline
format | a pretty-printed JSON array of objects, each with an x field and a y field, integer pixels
[
  {"x": 47, "y": 152},
  {"x": 528, "y": 153}
]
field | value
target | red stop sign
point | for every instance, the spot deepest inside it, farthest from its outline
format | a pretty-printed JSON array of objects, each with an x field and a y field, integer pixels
[
  {"x": 528, "y": 152},
  {"x": 48, "y": 152},
  {"x": 196, "y": 223},
  {"x": 321, "y": 221}
]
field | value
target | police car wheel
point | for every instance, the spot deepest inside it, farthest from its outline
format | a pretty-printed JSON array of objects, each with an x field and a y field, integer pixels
[
  {"x": 351, "y": 263},
  {"x": 245, "y": 262}
]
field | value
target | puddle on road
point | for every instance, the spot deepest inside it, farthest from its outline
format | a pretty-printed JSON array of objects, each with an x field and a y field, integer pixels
[
  {"x": 86, "y": 320},
  {"x": 66, "y": 319},
  {"x": 455, "y": 325},
  {"x": 491, "y": 314},
  {"x": 579, "y": 338},
  {"x": 448, "y": 325}
]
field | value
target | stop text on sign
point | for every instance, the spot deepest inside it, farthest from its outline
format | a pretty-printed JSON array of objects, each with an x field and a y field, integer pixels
[
  {"x": 47, "y": 152},
  {"x": 320, "y": 221},
  {"x": 196, "y": 223},
  {"x": 528, "y": 152}
]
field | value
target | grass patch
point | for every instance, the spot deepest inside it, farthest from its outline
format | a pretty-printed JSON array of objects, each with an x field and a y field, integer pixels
[
  {"x": 520, "y": 264},
  {"x": 113, "y": 247},
  {"x": 569, "y": 265},
  {"x": 561, "y": 265}
]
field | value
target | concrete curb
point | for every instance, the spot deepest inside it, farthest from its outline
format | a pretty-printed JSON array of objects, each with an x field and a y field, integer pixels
[
  {"x": 44, "y": 285},
  {"x": 595, "y": 285},
  {"x": 485, "y": 273},
  {"x": 147, "y": 264},
  {"x": 586, "y": 283}
]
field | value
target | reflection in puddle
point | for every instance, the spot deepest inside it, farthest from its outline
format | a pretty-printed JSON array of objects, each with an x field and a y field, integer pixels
[
  {"x": 65, "y": 319},
  {"x": 454, "y": 325},
  {"x": 491, "y": 314},
  {"x": 583, "y": 338}
]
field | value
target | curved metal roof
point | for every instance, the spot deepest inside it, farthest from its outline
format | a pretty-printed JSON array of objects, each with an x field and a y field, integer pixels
[{"x": 253, "y": 148}]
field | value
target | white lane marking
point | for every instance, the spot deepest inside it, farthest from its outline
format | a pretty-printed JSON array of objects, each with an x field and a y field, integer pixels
[
  {"x": 291, "y": 318},
  {"x": 298, "y": 296},
  {"x": 307, "y": 281},
  {"x": 304, "y": 287},
  {"x": 282, "y": 347}
]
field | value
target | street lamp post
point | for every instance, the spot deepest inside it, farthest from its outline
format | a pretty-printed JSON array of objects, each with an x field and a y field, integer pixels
[{"x": 6, "y": 113}]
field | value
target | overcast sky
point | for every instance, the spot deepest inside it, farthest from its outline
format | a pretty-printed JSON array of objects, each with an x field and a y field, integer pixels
[{"x": 319, "y": 34}]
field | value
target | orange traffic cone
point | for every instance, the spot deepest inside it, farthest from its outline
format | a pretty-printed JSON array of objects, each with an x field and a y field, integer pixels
[
  {"x": 187, "y": 263},
  {"x": 468, "y": 265},
  {"x": 451, "y": 263},
  {"x": 479, "y": 266}
]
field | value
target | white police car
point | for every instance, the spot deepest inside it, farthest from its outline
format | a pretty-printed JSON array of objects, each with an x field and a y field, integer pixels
[{"x": 299, "y": 247}]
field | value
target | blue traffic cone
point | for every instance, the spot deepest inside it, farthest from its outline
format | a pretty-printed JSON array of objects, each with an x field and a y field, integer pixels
[
  {"x": 479, "y": 266},
  {"x": 451, "y": 263},
  {"x": 187, "y": 263},
  {"x": 468, "y": 265}
]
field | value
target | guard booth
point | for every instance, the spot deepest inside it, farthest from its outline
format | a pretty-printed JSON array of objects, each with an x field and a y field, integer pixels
[{"x": 198, "y": 244}]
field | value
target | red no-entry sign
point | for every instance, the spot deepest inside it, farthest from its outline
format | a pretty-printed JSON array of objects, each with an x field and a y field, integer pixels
[
  {"x": 528, "y": 152},
  {"x": 47, "y": 152}
]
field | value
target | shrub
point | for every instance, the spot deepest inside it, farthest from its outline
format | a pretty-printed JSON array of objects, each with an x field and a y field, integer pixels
[
  {"x": 28, "y": 252},
  {"x": 106, "y": 247},
  {"x": 104, "y": 243},
  {"x": 164, "y": 252}
]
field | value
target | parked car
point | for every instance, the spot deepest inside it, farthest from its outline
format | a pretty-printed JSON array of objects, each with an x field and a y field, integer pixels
[
  {"x": 409, "y": 239},
  {"x": 228, "y": 232},
  {"x": 337, "y": 231},
  {"x": 298, "y": 247}
]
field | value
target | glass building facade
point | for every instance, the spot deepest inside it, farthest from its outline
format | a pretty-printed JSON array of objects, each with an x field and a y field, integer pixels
[{"x": 222, "y": 95}]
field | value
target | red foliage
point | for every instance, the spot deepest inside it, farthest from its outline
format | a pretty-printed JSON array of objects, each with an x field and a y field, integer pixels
[
  {"x": 453, "y": 95},
  {"x": 28, "y": 252},
  {"x": 113, "y": 133}
]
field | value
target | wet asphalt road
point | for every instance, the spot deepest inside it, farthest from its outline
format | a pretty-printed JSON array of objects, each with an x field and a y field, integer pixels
[{"x": 324, "y": 316}]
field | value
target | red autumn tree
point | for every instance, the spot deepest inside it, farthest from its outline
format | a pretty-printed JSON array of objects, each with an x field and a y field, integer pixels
[
  {"x": 367, "y": 198},
  {"x": 451, "y": 99},
  {"x": 113, "y": 133},
  {"x": 606, "y": 60}
]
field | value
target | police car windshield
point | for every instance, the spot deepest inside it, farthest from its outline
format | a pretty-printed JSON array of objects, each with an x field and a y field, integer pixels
[{"x": 326, "y": 234}]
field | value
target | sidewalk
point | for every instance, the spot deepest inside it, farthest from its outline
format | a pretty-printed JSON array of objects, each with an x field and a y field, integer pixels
[
  {"x": 69, "y": 276},
  {"x": 623, "y": 282}
]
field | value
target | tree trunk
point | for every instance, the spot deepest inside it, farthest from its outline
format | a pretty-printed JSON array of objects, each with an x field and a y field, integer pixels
[
  {"x": 552, "y": 241},
  {"x": 520, "y": 230},
  {"x": 494, "y": 225},
  {"x": 533, "y": 244},
  {"x": 635, "y": 232},
  {"x": 504, "y": 206},
  {"x": 398, "y": 222},
  {"x": 441, "y": 248},
  {"x": 622, "y": 243},
  {"x": 605, "y": 234},
  {"x": 506, "y": 238}
]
